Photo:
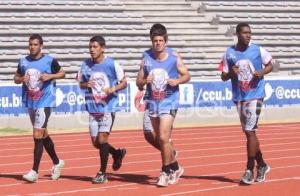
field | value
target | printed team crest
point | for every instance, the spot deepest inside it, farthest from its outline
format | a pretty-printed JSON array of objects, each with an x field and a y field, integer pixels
[
  {"x": 245, "y": 76},
  {"x": 34, "y": 84},
  {"x": 101, "y": 82},
  {"x": 159, "y": 84},
  {"x": 246, "y": 70},
  {"x": 160, "y": 77}
]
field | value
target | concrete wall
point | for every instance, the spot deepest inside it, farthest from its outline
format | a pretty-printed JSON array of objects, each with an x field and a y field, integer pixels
[{"x": 185, "y": 118}]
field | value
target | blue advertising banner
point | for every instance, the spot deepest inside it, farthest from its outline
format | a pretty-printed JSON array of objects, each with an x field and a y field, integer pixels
[
  {"x": 70, "y": 99},
  {"x": 218, "y": 93}
]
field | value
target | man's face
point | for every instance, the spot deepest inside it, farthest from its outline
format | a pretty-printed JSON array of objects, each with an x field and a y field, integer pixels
[
  {"x": 158, "y": 43},
  {"x": 35, "y": 48},
  {"x": 96, "y": 51},
  {"x": 244, "y": 36}
]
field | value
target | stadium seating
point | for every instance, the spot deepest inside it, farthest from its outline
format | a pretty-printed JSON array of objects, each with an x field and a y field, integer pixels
[
  {"x": 199, "y": 30},
  {"x": 275, "y": 25}
]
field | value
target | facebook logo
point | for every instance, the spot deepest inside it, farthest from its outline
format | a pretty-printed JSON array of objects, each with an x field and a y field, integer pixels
[{"x": 186, "y": 94}]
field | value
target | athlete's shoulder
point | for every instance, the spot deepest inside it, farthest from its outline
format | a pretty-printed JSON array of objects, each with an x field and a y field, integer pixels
[
  {"x": 25, "y": 58},
  {"x": 87, "y": 63},
  {"x": 254, "y": 44},
  {"x": 230, "y": 51},
  {"x": 175, "y": 53},
  {"x": 109, "y": 61},
  {"x": 147, "y": 52},
  {"x": 47, "y": 57},
  {"x": 231, "y": 48}
]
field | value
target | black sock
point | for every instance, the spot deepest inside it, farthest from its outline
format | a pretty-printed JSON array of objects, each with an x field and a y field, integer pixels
[
  {"x": 250, "y": 163},
  {"x": 259, "y": 159},
  {"x": 37, "y": 153},
  {"x": 104, "y": 153},
  {"x": 112, "y": 150},
  {"x": 49, "y": 146},
  {"x": 174, "y": 166},
  {"x": 166, "y": 168}
]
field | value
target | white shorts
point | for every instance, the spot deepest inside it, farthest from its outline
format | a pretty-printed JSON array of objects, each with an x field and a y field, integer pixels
[
  {"x": 147, "y": 125},
  {"x": 162, "y": 113},
  {"x": 249, "y": 112},
  {"x": 39, "y": 117},
  {"x": 101, "y": 123}
]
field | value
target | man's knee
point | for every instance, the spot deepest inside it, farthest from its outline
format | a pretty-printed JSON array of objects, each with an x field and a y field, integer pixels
[
  {"x": 103, "y": 138},
  {"x": 250, "y": 134},
  {"x": 38, "y": 133},
  {"x": 164, "y": 139}
]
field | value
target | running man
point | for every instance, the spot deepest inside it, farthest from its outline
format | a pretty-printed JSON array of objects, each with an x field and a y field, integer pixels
[
  {"x": 162, "y": 70},
  {"x": 101, "y": 78},
  {"x": 37, "y": 72},
  {"x": 149, "y": 133},
  {"x": 242, "y": 64}
]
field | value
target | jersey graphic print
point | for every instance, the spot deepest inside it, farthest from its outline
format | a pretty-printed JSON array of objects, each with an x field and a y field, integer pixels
[
  {"x": 101, "y": 83},
  {"x": 159, "y": 83},
  {"x": 34, "y": 84},
  {"x": 245, "y": 75}
]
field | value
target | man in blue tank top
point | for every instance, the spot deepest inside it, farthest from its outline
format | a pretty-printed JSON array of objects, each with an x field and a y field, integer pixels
[
  {"x": 162, "y": 70},
  {"x": 101, "y": 78},
  {"x": 242, "y": 64},
  {"x": 37, "y": 72}
]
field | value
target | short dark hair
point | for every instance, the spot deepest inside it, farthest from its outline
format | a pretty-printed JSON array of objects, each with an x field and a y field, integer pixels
[
  {"x": 36, "y": 36},
  {"x": 99, "y": 39},
  {"x": 239, "y": 27},
  {"x": 158, "y": 30}
]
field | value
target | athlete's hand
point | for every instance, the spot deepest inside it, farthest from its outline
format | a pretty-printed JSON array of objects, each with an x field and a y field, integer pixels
[
  {"x": 150, "y": 78},
  {"x": 235, "y": 70},
  {"x": 25, "y": 78},
  {"x": 259, "y": 74},
  {"x": 109, "y": 91},
  {"x": 45, "y": 77},
  {"x": 91, "y": 84},
  {"x": 173, "y": 82}
]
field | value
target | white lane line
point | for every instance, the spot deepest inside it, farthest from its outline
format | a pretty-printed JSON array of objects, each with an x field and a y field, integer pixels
[
  {"x": 142, "y": 154},
  {"x": 176, "y": 130},
  {"x": 84, "y": 190},
  {"x": 128, "y": 188},
  {"x": 142, "y": 137},
  {"x": 148, "y": 146},
  {"x": 217, "y": 140},
  {"x": 157, "y": 170},
  {"x": 224, "y": 187},
  {"x": 178, "y": 193}
]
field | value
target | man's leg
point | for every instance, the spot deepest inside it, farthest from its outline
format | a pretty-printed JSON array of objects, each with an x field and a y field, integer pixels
[
  {"x": 262, "y": 167},
  {"x": 103, "y": 125},
  {"x": 252, "y": 148},
  {"x": 38, "y": 122},
  {"x": 152, "y": 139},
  {"x": 162, "y": 126},
  {"x": 150, "y": 135},
  {"x": 249, "y": 114},
  {"x": 38, "y": 148}
]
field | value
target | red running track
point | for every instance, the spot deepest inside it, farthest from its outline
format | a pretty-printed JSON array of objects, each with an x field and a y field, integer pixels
[{"x": 213, "y": 159}]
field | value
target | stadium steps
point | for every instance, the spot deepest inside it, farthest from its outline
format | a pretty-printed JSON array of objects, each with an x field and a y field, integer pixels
[
  {"x": 68, "y": 25},
  {"x": 275, "y": 25},
  {"x": 194, "y": 28}
]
